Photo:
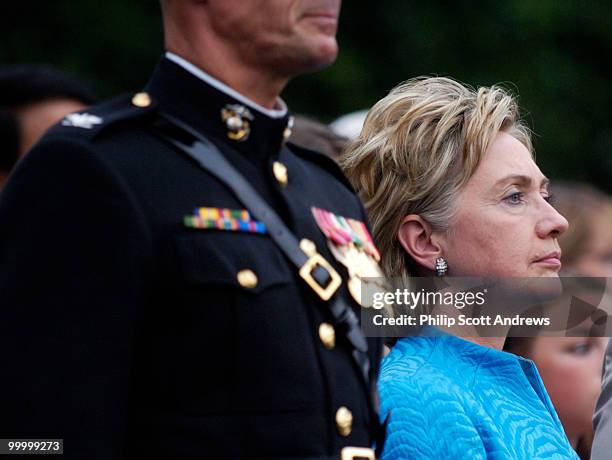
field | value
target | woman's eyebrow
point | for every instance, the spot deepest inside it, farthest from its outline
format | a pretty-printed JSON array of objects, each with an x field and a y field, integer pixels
[{"x": 522, "y": 180}]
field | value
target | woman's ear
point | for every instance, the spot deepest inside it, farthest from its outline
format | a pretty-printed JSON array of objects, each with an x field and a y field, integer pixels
[{"x": 415, "y": 235}]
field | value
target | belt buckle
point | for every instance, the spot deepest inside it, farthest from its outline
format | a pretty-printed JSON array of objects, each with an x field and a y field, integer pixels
[
  {"x": 354, "y": 453},
  {"x": 313, "y": 261}
]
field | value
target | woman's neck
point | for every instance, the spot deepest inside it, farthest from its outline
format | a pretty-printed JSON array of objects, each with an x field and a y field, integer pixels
[
  {"x": 489, "y": 342},
  {"x": 471, "y": 333}
]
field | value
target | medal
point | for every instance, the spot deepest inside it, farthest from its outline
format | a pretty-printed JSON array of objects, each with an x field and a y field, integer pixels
[
  {"x": 364, "y": 271},
  {"x": 351, "y": 244}
]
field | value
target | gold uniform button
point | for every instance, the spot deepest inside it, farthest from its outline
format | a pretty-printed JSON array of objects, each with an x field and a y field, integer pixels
[
  {"x": 247, "y": 278},
  {"x": 280, "y": 172},
  {"x": 327, "y": 334},
  {"x": 344, "y": 421},
  {"x": 141, "y": 100}
]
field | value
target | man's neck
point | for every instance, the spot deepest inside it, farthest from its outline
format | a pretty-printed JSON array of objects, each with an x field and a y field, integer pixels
[
  {"x": 279, "y": 111},
  {"x": 260, "y": 86}
]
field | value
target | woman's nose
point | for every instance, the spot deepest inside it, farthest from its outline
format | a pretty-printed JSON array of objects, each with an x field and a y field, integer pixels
[{"x": 551, "y": 223}]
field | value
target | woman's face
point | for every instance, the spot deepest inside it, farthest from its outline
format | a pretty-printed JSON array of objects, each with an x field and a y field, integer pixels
[
  {"x": 504, "y": 225},
  {"x": 571, "y": 368}
]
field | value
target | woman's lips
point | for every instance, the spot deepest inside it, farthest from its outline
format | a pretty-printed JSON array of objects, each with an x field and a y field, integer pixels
[{"x": 552, "y": 260}]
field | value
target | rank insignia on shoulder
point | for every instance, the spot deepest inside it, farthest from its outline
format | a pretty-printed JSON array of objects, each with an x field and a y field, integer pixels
[
  {"x": 81, "y": 120},
  {"x": 351, "y": 244},
  {"x": 233, "y": 220}
]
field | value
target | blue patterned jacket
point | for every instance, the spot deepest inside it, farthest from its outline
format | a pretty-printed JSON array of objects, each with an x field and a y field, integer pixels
[{"x": 453, "y": 399}]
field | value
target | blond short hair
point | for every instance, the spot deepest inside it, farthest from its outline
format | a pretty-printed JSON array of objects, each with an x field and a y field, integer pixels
[{"x": 418, "y": 147}]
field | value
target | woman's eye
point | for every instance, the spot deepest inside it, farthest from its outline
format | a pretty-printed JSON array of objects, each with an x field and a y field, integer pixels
[
  {"x": 549, "y": 198},
  {"x": 514, "y": 198}
]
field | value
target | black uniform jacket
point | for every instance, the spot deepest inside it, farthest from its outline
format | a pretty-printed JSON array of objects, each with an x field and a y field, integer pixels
[{"x": 127, "y": 334}]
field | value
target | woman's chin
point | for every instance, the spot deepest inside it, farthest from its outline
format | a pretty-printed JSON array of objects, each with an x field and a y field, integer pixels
[{"x": 540, "y": 271}]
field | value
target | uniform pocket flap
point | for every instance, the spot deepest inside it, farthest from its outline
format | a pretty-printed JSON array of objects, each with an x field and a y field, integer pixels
[{"x": 249, "y": 261}]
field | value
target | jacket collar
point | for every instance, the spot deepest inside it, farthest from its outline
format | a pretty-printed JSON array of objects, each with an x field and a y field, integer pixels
[{"x": 206, "y": 104}]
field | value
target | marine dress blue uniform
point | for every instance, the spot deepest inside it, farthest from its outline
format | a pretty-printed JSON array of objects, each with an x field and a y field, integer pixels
[
  {"x": 449, "y": 398},
  {"x": 134, "y": 328}
]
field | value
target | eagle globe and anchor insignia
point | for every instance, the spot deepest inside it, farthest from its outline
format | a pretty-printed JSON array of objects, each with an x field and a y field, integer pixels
[{"x": 237, "y": 120}]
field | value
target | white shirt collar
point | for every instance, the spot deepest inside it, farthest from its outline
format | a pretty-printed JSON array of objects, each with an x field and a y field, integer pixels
[{"x": 212, "y": 81}]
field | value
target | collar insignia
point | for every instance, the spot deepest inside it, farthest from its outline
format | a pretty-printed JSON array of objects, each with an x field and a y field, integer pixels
[
  {"x": 288, "y": 129},
  {"x": 237, "y": 118}
]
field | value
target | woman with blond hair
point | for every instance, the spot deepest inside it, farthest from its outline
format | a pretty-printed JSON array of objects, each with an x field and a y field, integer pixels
[{"x": 448, "y": 178}]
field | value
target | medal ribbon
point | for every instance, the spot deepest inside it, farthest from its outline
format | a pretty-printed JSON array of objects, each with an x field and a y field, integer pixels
[
  {"x": 224, "y": 219},
  {"x": 343, "y": 231}
]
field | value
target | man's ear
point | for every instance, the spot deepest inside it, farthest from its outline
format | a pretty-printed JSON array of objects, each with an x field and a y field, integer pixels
[{"x": 415, "y": 236}]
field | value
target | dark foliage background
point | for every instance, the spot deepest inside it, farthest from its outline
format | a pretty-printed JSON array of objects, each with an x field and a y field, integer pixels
[{"x": 556, "y": 54}]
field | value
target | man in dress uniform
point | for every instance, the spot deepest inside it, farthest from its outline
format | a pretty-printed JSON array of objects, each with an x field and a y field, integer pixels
[{"x": 153, "y": 304}]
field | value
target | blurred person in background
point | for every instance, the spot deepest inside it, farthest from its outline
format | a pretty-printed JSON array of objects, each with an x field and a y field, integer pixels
[
  {"x": 32, "y": 99},
  {"x": 587, "y": 244},
  {"x": 167, "y": 289},
  {"x": 571, "y": 367},
  {"x": 587, "y": 247},
  {"x": 314, "y": 135},
  {"x": 448, "y": 179},
  {"x": 602, "y": 443},
  {"x": 350, "y": 124}
]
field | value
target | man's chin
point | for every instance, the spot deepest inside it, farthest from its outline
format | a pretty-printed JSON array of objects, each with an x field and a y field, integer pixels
[
  {"x": 325, "y": 53},
  {"x": 310, "y": 64}
]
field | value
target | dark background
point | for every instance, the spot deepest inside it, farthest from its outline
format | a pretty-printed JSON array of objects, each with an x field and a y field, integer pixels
[{"x": 556, "y": 54}]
